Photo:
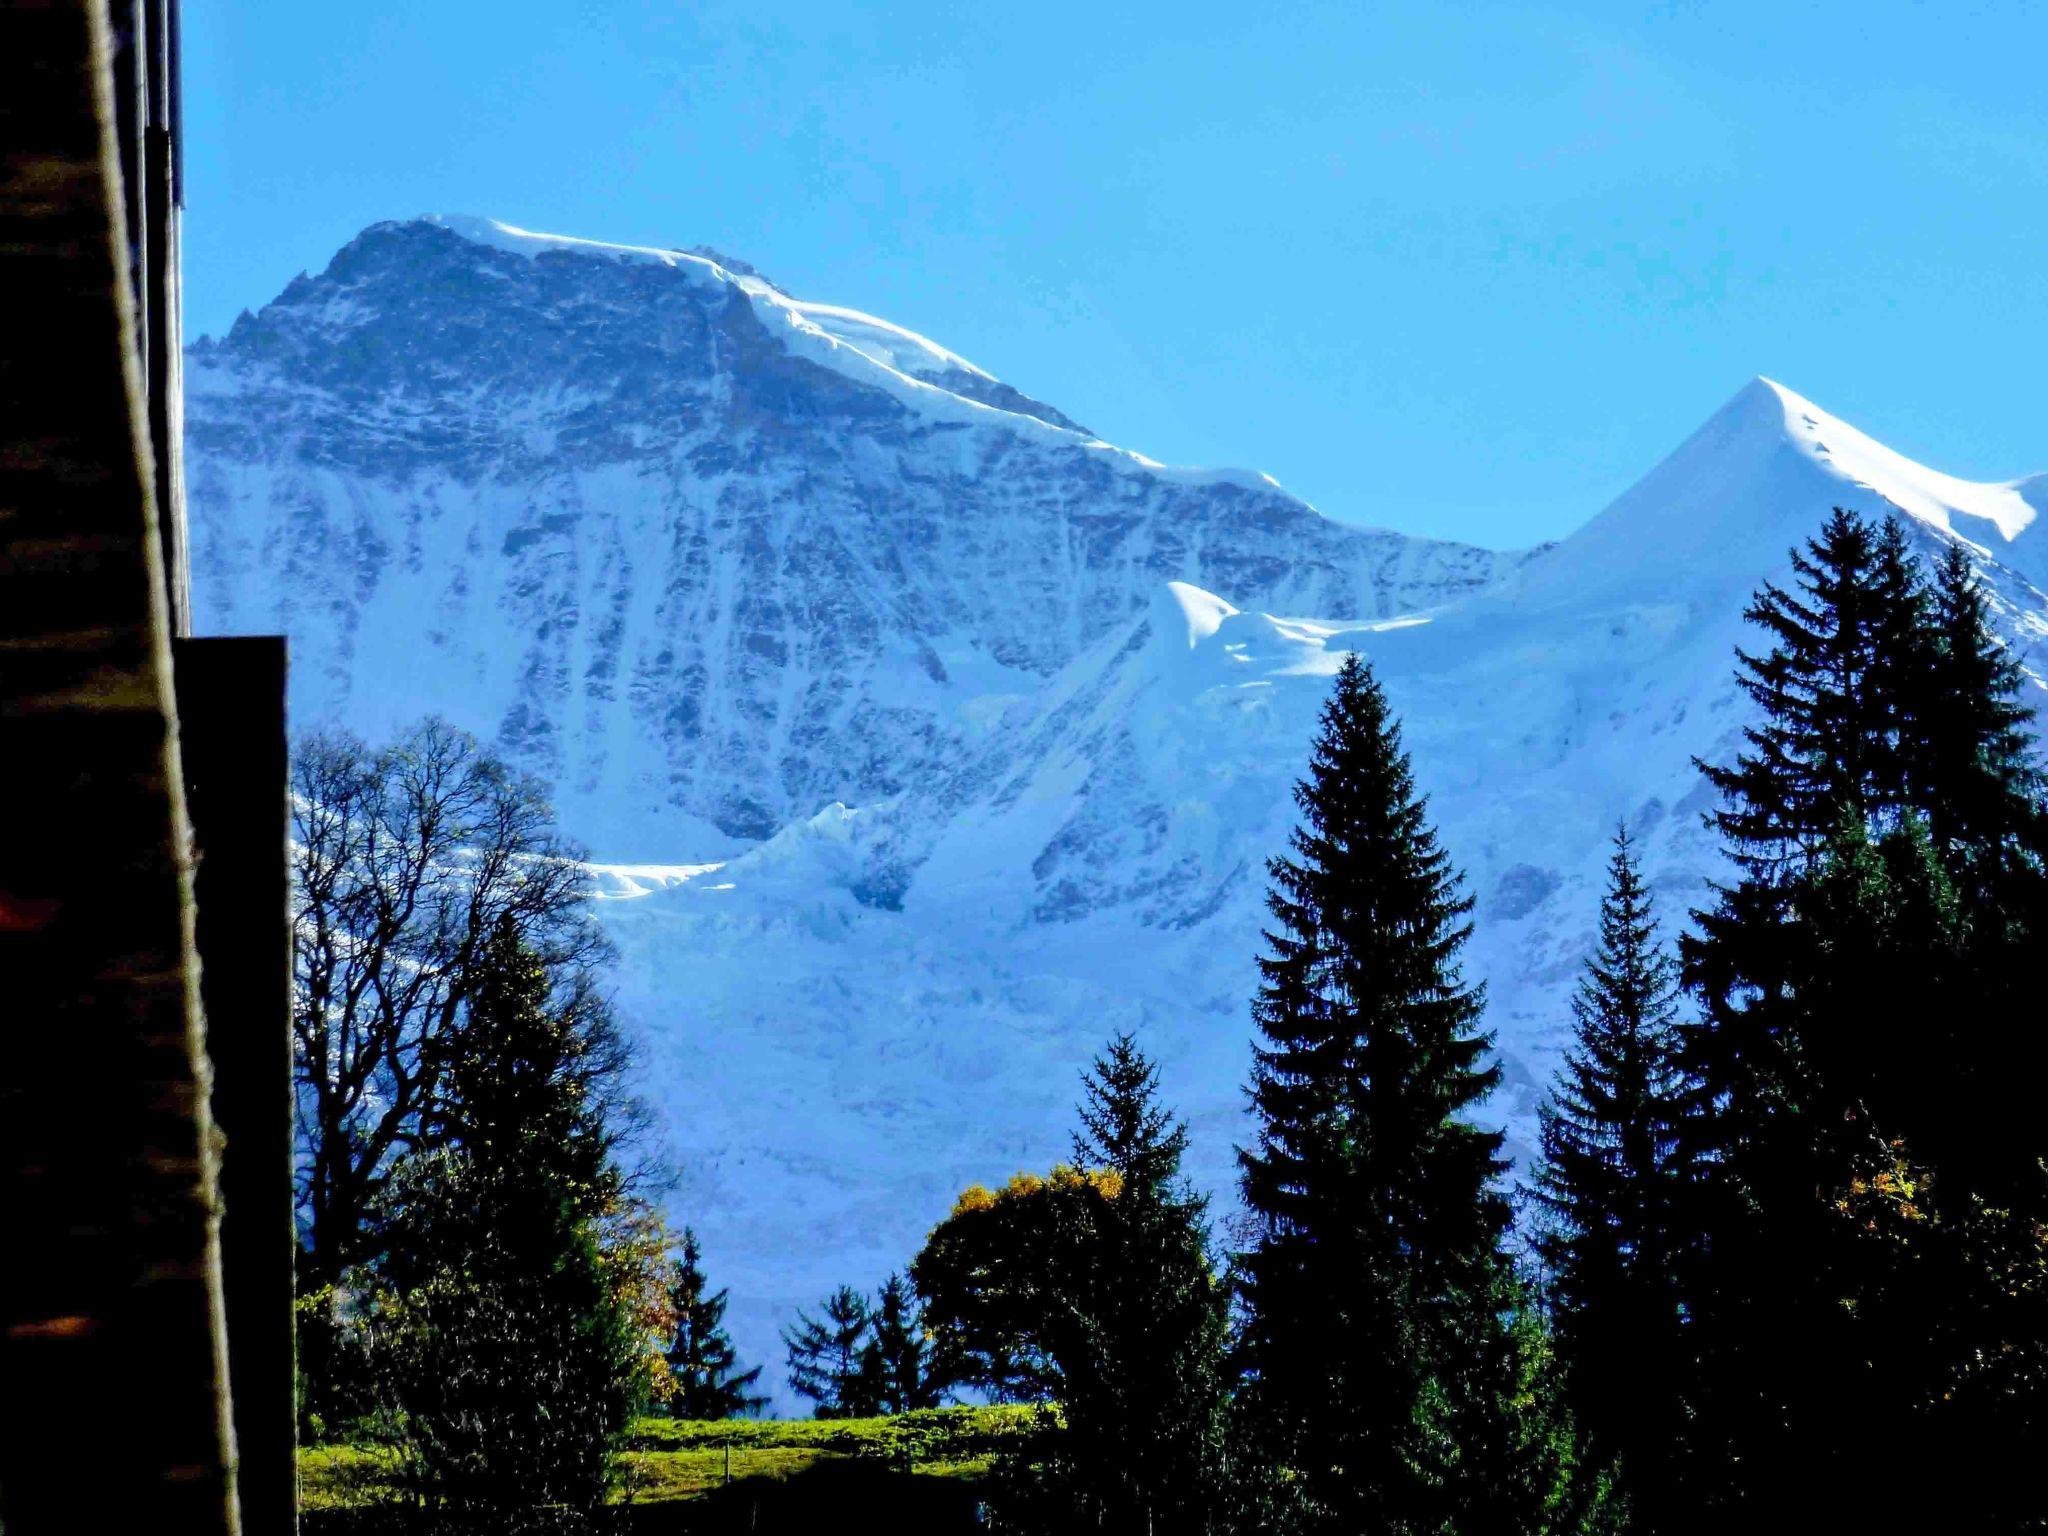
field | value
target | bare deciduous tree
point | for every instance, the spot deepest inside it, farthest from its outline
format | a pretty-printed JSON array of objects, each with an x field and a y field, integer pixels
[{"x": 406, "y": 860}]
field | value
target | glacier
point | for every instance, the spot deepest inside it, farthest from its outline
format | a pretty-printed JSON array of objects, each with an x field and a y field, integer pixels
[{"x": 923, "y": 739}]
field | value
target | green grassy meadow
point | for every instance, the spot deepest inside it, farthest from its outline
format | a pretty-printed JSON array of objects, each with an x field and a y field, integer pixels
[{"x": 678, "y": 1475}]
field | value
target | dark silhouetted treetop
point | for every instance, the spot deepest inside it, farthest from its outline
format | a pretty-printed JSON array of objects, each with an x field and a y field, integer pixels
[
  {"x": 898, "y": 1365},
  {"x": 1609, "y": 1195},
  {"x": 704, "y": 1379},
  {"x": 825, "y": 1356},
  {"x": 1830, "y": 691},
  {"x": 1377, "y": 1339}
]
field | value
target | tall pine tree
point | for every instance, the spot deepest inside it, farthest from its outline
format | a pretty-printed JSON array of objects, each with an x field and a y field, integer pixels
[
  {"x": 1982, "y": 1056},
  {"x": 1973, "y": 761},
  {"x": 509, "y": 1355},
  {"x": 1825, "y": 743},
  {"x": 1780, "y": 1138},
  {"x": 1978, "y": 777},
  {"x": 1142, "y": 1349},
  {"x": 1856, "y": 1255},
  {"x": 897, "y": 1365},
  {"x": 704, "y": 1380},
  {"x": 828, "y": 1357},
  {"x": 1609, "y": 1191},
  {"x": 1377, "y": 1356}
]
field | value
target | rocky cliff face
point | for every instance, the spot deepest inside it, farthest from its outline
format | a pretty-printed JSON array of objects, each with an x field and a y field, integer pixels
[{"x": 687, "y": 546}]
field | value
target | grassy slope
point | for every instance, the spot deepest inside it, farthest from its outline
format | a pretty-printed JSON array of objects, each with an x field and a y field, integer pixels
[{"x": 667, "y": 1461}]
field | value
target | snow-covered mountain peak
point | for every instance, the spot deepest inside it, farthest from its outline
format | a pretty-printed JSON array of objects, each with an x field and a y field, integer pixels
[
  {"x": 500, "y": 236},
  {"x": 935, "y": 739},
  {"x": 708, "y": 556},
  {"x": 1743, "y": 488},
  {"x": 866, "y": 347},
  {"x": 1990, "y": 516}
]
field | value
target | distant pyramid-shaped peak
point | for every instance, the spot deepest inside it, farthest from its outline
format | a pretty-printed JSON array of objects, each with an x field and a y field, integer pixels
[{"x": 1756, "y": 478}]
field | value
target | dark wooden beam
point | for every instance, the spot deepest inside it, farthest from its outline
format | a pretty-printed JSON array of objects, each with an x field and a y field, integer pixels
[
  {"x": 231, "y": 726},
  {"x": 110, "y": 1295}
]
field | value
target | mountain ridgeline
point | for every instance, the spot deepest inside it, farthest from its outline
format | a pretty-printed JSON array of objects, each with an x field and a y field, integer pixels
[
  {"x": 671, "y": 537},
  {"x": 925, "y": 738}
]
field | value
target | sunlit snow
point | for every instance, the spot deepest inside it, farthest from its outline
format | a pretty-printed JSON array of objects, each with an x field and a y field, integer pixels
[{"x": 926, "y": 743}]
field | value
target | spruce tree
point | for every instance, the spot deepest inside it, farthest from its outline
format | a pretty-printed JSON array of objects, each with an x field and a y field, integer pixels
[
  {"x": 1981, "y": 1056},
  {"x": 508, "y": 1356},
  {"x": 1974, "y": 763},
  {"x": 1981, "y": 785},
  {"x": 1830, "y": 764},
  {"x": 1609, "y": 1191},
  {"x": 827, "y": 1357},
  {"x": 1125, "y": 1129},
  {"x": 526, "y": 1082},
  {"x": 705, "y": 1383},
  {"x": 1373, "y": 1337},
  {"x": 1826, "y": 742},
  {"x": 1093, "y": 1288},
  {"x": 1856, "y": 1264},
  {"x": 1827, "y": 765},
  {"x": 1774, "y": 1134},
  {"x": 897, "y": 1366},
  {"x": 1142, "y": 1345}
]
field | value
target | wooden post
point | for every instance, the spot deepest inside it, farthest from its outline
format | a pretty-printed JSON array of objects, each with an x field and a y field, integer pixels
[{"x": 231, "y": 702}]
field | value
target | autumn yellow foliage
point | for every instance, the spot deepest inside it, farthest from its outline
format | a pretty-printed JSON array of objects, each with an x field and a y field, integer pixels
[{"x": 1106, "y": 1182}]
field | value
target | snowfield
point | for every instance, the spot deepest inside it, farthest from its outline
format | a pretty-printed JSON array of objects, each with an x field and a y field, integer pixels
[{"x": 923, "y": 739}]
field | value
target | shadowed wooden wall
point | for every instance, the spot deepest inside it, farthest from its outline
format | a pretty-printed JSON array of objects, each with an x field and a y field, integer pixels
[{"x": 112, "y": 1340}]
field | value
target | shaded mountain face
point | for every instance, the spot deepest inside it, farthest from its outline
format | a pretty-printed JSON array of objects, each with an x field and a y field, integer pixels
[
  {"x": 700, "y": 553},
  {"x": 928, "y": 740}
]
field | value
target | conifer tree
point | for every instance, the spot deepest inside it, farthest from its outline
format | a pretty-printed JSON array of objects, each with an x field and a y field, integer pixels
[
  {"x": 1094, "y": 1288},
  {"x": 1142, "y": 1351},
  {"x": 527, "y": 1081},
  {"x": 1981, "y": 1055},
  {"x": 1857, "y": 1255},
  {"x": 1374, "y": 1337},
  {"x": 406, "y": 862},
  {"x": 1974, "y": 765},
  {"x": 1826, "y": 743},
  {"x": 828, "y": 1357},
  {"x": 509, "y": 1356},
  {"x": 1609, "y": 1193},
  {"x": 1836, "y": 760},
  {"x": 1829, "y": 758},
  {"x": 1772, "y": 1134},
  {"x": 897, "y": 1366},
  {"x": 1981, "y": 786},
  {"x": 1125, "y": 1129},
  {"x": 705, "y": 1383}
]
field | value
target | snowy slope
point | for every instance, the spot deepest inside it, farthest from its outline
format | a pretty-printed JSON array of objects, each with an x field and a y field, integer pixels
[{"x": 936, "y": 739}]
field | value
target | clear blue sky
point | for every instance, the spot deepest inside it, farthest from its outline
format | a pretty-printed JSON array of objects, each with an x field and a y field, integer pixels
[{"x": 1461, "y": 270}]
